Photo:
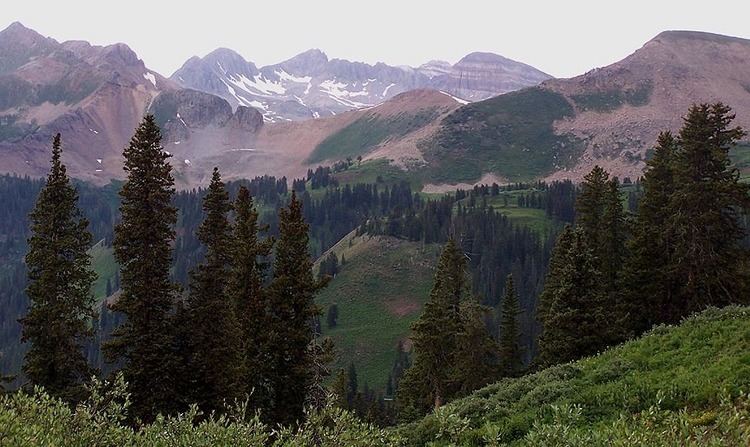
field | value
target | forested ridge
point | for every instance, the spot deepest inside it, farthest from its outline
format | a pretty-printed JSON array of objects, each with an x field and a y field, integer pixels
[{"x": 213, "y": 303}]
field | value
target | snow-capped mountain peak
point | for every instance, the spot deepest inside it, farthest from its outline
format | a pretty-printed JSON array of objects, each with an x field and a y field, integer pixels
[{"x": 310, "y": 85}]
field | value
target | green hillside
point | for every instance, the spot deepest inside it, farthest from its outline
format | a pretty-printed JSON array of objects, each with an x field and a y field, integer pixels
[
  {"x": 510, "y": 135},
  {"x": 507, "y": 204},
  {"x": 675, "y": 386},
  {"x": 367, "y": 132},
  {"x": 379, "y": 292}
]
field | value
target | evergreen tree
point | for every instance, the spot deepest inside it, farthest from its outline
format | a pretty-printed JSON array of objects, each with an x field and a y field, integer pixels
[
  {"x": 59, "y": 289},
  {"x": 292, "y": 311},
  {"x": 435, "y": 332},
  {"x": 475, "y": 362},
  {"x": 553, "y": 280},
  {"x": 245, "y": 287},
  {"x": 142, "y": 246},
  {"x": 647, "y": 284},
  {"x": 339, "y": 389},
  {"x": 216, "y": 355},
  {"x": 510, "y": 336},
  {"x": 613, "y": 238},
  {"x": 575, "y": 325},
  {"x": 709, "y": 265},
  {"x": 352, "y": 385},
  {"x": 590, "y": 205}
]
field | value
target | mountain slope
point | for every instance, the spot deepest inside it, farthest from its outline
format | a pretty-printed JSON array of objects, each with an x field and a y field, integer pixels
[
  {"x": 643, "y": 383},
  {"x": 310, "y": 85},
  {"x": 373, "y": 318},
  {"x": 96, "y": 96},
  {"x": 390, "y": 130},
  {"x": 609, "y": 116}
]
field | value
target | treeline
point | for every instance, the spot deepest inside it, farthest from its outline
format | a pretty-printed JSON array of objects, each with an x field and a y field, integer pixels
[
  {"x": 233, "y": 335},
  {"x": 611, "y": 276},
  {"x": 611, "y": 279}
]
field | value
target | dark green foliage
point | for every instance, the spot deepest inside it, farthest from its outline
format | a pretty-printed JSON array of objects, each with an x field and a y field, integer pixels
[
  {"x": 554, "y": 279},
  {"x": 601, "y": 218},
  {"x": 366, "y": 404},
  {"x": 453, "y": 351},
  {"x": 59, "y": 288},
  {"x": 435, "y": 333},
  {"x": 648, "y": 287},
  {"x": 590, "y": 205},
  {"x": 143, "y": 238},
  {"x": 245, "y": 289},
  {"x": 609, "y": 100},
  {"x": 292, "y": 310},
  {"x": 476, "y": 359},
  {"x": 575, "y": 321},
  {"x": 709, "y": 264},
  {"x": 510, "y": 333},
  {"x": 613, "y": 238},
  {"x": 329, "y": 266},
  {"x": 217, "y": 361},
  {"x": 400, "y": 365},
  {"x": 340, "y": 389},
  {"x": 511, "y": 135}
]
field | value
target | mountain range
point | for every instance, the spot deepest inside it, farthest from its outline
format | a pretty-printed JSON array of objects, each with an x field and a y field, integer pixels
[
  {"x": 310, "y": 85},
  {"x": 483, "y": 119}
]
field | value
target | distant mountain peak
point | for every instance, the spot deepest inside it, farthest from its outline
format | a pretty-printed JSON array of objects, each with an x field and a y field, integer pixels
[
  {"x": 16, "y": 31},
  {"x": 685, "y": 35},
  {"x": 310, "y": 60},
  {"x": 311, "y": 85},
  {"x": 483, "y": 56}
]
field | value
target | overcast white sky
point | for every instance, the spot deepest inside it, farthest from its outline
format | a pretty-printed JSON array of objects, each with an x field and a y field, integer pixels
[{"x": 562, "y": 38}]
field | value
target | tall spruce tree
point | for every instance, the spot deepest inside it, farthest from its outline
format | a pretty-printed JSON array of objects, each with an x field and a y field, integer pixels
[
  {"x": 510, "y": 333},
  {"x": 709, "y": 264},
  {"x": 245, "y": 287},
  {"x": 217, "y": 363},
  {"x": 435, "y": 333},
  {"x": 648, "y": 286},
  {"x": 291, "y": 313},
  {"x": 476, "y": 360},
  {"x": 552, "y": 281},
  {"x": 144, "y": 343},
  {"x": 576, "y": 323},
  {"x": 590, "y": 205},
  {"x": 59, "y": 289},
  {"x": 613, "y": 239}
]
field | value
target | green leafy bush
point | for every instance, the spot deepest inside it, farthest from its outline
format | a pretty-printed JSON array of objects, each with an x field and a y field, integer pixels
[
  {"x": 40, "y": 420},
  {"x": 671, "y": 368}
]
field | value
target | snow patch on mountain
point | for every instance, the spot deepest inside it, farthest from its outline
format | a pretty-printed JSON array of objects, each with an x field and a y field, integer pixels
[
  {"x": 310, "y": 85},
  {"x": 150, "y": 77}
]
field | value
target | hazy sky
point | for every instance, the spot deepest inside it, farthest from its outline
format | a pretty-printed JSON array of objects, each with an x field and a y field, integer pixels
[{"x": 562, "y": 38}]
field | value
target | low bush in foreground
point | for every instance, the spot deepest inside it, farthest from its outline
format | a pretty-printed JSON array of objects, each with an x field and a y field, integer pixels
[
  {"x": 676, "y": 386},
  {"x": 679, "y": 373},
  {"x": 39, "y": 420}
]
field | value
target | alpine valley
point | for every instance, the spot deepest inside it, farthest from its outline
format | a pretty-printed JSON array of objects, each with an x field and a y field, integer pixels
[{"x": 324, "y": 252}]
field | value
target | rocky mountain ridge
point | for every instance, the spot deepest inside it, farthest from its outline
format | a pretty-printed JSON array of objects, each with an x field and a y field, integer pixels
[{"x": 310, "y": 85}]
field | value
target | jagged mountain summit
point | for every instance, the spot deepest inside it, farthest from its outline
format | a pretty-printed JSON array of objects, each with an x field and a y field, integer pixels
[
  {"x": 95, "y": 95},
  {"x": 310, "y": 85}
]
